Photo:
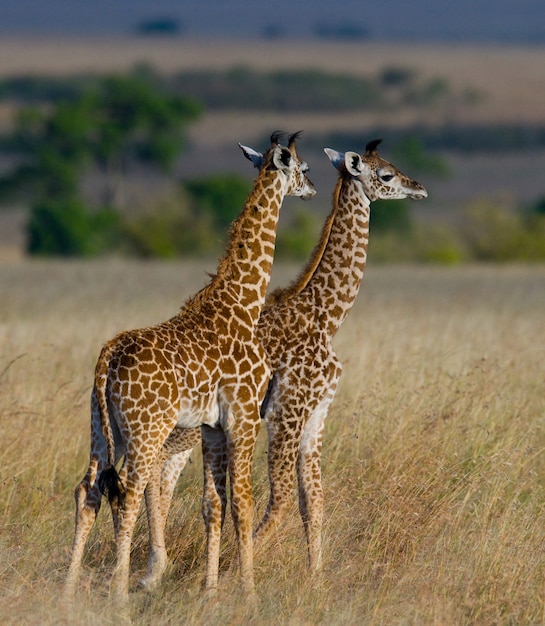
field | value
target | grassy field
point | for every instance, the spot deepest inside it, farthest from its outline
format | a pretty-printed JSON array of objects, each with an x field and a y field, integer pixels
[{"x": 434, "y": 462}]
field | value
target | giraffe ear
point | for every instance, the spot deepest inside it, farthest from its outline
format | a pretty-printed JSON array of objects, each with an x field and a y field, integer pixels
[
  {"x": 350, "y": 160},
  {"x": 337, "y": 158},
  {"x": 255, "y": 157},
  {"x": 353, "y": 163},
  {"x": 282, "y": 158}
]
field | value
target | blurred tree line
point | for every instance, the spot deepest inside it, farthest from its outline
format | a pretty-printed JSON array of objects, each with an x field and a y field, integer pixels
[
  {"x": 286, "y": 90},
  {"x": 109, "y": 127},
  {"x": 78, "y": 141}
]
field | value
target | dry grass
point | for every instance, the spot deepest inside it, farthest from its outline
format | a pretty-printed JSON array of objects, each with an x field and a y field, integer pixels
[{"x": 433, "y": 460}]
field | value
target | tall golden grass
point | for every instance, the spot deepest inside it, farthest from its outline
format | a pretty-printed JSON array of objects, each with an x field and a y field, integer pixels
[{"x": 434, "y": 455}]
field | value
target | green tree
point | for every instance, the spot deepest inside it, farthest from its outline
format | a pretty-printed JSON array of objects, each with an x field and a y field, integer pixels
[
  {"x": 109, "y": 127},
  {"x": 539, "y": 207},
  {"x": 135, "y": 123},
  {"x": 298, "y": 240},
  {"x": 410, "y": 154}
]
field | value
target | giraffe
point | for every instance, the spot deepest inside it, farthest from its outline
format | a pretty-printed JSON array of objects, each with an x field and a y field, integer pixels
[
  {"x": 305, "y": 365},
  {"x": 203, "y": 367},
  {"x": 296, "y": 328}
]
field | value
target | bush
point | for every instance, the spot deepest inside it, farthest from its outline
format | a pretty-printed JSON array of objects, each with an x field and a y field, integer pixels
[
  {"x": 390, "y": 215},
  {"x": 539, "y": 207},
  {"x": 284, "y": 90},
  {"x": 439, "y": 244},
  {"x": 221, "y": 196},
  {"x": 495, "y": 233},
  {"x": 170, "y": 230},
  {"x": 65, "y": 227},
  {"x": 298, "y": 239}
]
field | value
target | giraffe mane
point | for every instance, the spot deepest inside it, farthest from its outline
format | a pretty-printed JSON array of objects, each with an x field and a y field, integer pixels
[
  {"x": 236, "y": 226},
  {"x": 233, "y": 236}
]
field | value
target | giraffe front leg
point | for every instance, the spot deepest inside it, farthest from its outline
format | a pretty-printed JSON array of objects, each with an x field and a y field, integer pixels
[
  {"x": 241, "y": 443},
  {"x": 214, "y": 502},
  {"x": 157, "y": 557},
  {"x": 158, "y": 496}
]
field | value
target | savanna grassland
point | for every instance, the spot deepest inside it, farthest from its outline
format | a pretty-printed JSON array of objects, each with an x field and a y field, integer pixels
[{"x": 433, "y": 463}]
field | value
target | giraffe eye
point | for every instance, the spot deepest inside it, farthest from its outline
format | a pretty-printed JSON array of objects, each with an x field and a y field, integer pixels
[{"x": 386, "y": 177}]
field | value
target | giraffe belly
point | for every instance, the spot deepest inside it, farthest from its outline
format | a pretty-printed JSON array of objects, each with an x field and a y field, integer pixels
[{"x": 192, "y": 414}]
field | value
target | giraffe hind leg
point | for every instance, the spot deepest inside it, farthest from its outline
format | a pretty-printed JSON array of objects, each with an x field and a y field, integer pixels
[
  {"x": 285, "y": 423},
  {"x": 284, "y": 436},
  {"x": 311, "y": 497},
  {"x": 88, "y": 500},
  {"x": 157, "y": 556},
  {"x": 214, "y": 502},
  {"x": 311, "y": 504},
  {"x": 137, "y": 478}
]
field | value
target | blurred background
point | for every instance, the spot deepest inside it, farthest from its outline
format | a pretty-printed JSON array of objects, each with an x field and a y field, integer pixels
[{"x": 119, "y": 122}]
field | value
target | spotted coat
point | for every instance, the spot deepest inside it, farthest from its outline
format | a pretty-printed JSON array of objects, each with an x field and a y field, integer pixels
[{"x": 203, "y": 367}]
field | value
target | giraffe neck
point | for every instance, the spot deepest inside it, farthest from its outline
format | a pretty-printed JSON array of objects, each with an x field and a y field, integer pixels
[
  {"x": 245, "y": 270},
  {"x": 334, "y": 284},
  {"x": 295, "y": 288}
]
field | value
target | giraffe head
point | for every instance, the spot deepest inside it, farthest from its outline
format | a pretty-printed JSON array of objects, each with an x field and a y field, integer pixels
[
  {"x": 380, "y": 179},
  {"x": 287, "y": 160}
]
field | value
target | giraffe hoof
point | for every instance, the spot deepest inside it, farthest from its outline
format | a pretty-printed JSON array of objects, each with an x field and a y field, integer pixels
[
  {"x": 149, "y": 583},
  {"x": 157, "y": 565}
]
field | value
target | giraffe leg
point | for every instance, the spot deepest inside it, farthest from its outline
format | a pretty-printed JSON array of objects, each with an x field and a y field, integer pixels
[
  {"x": 135, "y": 483},
  {"x": 214, "y": 499},
  {"x": 309, "y": 475},
  {"x": 311, "y": 500},
  {"x": 284, "y": 431},
  {"x": 158, "y": 495},
  {"x": 240, "y": 446},
  {"x": 88, "y": 501},
  {"x": 135, "y": 475},
  {"x": 177, "y": 451},
  {"x": 157, "y": 557}
]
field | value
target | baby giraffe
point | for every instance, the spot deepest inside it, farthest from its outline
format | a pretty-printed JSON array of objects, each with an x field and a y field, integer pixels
[
  {"x": 296, "y": 328},
  {"x": 203, "y": 367}
]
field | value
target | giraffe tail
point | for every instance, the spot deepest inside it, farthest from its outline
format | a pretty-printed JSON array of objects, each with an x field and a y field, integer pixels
[
  {"x": 110, "y": 485},
  {"x": 101, "y": 380}
]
